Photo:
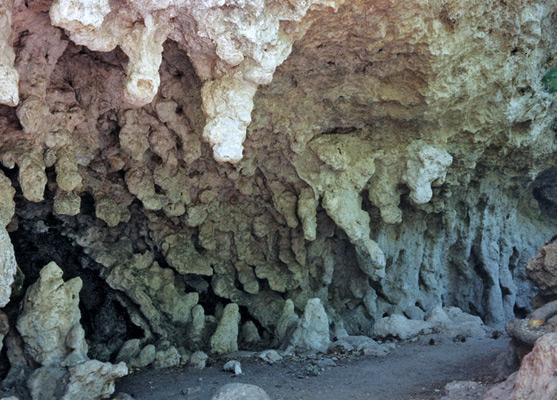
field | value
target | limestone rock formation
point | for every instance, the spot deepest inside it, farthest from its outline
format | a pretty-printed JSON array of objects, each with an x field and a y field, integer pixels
[
  {"x": 400, "y": 327},
  {"x": 389, "y": 158},
  {"x": 444, "y": 322},
  {"x": 234, "y": 47},
  {"x": 89, "y": 380},
  {"x": 8, "y": 267},
  {"x": 93, "y": 380},
  {"x": 535, "y": 379},
  {"x": 50, "y": 320},
  {"x": 9, "y": 77},
  {"x": 225, "y": 338},
  {"x": 312, "y": 332},
  {"x": 542, "y": 270}
]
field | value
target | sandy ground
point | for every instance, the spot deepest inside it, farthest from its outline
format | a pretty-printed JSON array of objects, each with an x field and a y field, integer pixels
[{"x": 411, "y": 371}]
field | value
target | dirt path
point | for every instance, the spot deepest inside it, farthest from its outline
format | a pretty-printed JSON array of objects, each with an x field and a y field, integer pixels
[{"x": 410, "y": 372}]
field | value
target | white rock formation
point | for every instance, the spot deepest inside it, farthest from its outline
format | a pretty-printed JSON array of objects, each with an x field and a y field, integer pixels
[
  {"x": 8, "y": 267},
  {"x": 312, "y": 332},
  {"x": 225, "y": 338},
  {"x": 93, "y": 380},
  {"x": 400, "y": 327},
  {"x": 425, "y": 165},
  {"x": 393, "y": 164},
  {"x": 9, "y": 78},
  {"x": 234, "y": 46},
  {"x": 89, "y": 380},
  {"x": 50, "y": 319}
]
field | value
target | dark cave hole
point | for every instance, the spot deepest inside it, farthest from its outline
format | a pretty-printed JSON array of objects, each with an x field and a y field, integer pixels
[
  {"x": 520, "y": 312},
  {"x": 340, "y": 130},
  {"x": 263, "y": 333},
  {"x": 544, "y": 190},
  {"x": 505, "y": 291},
  {"x": 87, "y": 204},
  {"x": 105, "y": 321}
]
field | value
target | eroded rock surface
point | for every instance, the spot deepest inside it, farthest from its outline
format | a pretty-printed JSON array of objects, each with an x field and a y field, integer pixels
[
  {"x": 387, "y": 159},
  {"x": 536, "y": 377},
  {"x": 50, "y": 319}
]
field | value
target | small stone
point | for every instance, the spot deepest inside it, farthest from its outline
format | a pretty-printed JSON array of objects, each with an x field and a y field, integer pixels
[
  {"x": 146, "y": 357},
  {"x": 233, "y": 366},
  {"x": 342, "y": 346},
  {"x": 269, "y": 356},
  {"x": 191, "y": 390},
  {"x": 198, "y": 360},
  {"x": 129, "y": 350},
  {"x": 167, "y": 358},
  {"x": 325, "y": 362}
]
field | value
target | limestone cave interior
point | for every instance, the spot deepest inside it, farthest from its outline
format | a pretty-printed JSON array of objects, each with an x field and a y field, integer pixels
[{"x": 182, "y": 180}]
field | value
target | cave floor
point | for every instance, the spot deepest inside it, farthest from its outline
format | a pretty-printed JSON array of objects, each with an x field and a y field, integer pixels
[{"x": 411, "y": 371}]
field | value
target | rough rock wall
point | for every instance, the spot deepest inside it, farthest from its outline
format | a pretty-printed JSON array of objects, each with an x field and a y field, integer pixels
[{"x": 389, "y": 164}]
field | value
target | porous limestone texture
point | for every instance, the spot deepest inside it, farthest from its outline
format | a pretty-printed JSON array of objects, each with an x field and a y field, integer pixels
[
  {"x": 49, "y": 323},
  {"x": 8, "y": 266},
  {"x": 386, "y": 158},
  {"x": 89, "y": 380},
  {"x": 542, "y": 270},
  {"x": 9, "y": 77},
  {"x": 535, "y": 380},
  {"x": 225, "y": 338},
  {"x": 93, "y": 380},
  {"x": 234, "y": 47}
]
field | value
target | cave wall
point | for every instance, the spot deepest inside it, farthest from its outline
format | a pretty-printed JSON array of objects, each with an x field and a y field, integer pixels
[{"x": 379, "y": 155}]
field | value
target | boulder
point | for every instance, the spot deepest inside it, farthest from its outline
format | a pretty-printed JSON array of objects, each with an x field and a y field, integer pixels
[
  {"x": 90, "y": 380},
  {"x": 463, "y": 390},
  {"x": 198, "y": 360},
  {"x": 400, "y": 327},
  {"x": 146, "y": 357},
  {"x": 542, "y": 269},
  {"x": 269, "y": 356},
  {"x": 167, "y": 358},
  {"x": 536, "y": 379},
  {"x": 240, "y": 391},
  {"x": 452, "y": 321},
  {"x": 233, "y": 366},
  {"x": 93, "y": 380}
]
